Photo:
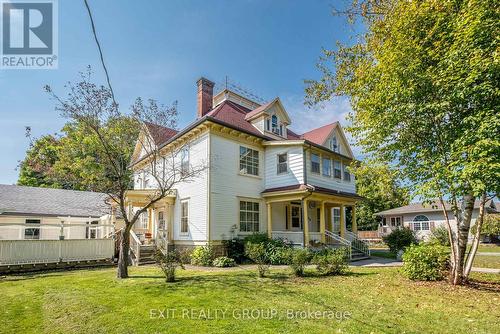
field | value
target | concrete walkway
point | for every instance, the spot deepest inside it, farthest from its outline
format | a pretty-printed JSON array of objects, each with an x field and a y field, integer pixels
[{"x": 375, "y": 261}]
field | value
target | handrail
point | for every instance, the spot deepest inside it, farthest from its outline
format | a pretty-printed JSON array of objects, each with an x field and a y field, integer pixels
[
  {"x": 330, "y": 237},
  {"x": 162, "y": 242},
  {"x": 356, "y": 243},
  {"x": 135, "y": 245}
]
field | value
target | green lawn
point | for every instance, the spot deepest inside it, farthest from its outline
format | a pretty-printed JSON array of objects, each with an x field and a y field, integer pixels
[
  {"x": 483, "y": 261},
  {"x": 487, "y": 248},
  {"x": 379, "y": 300}
]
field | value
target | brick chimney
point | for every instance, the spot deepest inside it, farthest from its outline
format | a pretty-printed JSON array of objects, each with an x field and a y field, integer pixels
[{"x": 205, "y": 96}]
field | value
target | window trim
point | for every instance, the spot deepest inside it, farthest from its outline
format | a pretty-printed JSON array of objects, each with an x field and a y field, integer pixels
[
  {"x": 181, "y": 232},
  {"x": 278, "y": 163},
  {"x": 340, "y": 169},
  {"x": 323, "y": 159},
  {"x": 185, "y": 160},
  {"x": 318, "y": 162},
  {"x": 259, "y": 215},
  {"x": 244, "y": 171},
  {"x": 33, "y": 222}
]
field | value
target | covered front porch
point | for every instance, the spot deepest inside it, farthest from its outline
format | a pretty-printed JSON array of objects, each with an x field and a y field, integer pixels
[{"x": 313, "y": 218}]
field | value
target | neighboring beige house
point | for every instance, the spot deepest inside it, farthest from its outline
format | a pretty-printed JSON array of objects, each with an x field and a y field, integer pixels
[
  {"x": 261, "y": 177},
  {"x": 422, "y": 218}
]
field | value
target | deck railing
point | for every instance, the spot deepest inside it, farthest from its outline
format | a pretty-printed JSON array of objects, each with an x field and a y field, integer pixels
[
  {"x": 357, "y": 243},
  {"x": 335, "y": 239}
]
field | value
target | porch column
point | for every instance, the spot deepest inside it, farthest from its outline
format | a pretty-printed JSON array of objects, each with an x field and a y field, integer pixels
[
  {"x": 305, "y": 211},
  {"x": 354, "y": 223},
  {"x": 342, "y": 221},
  {"x": 169, "y": 221},
  {"x": 269, "y": 221},
  {"x": 322, "y": 222},
  {"x": 150, "y": 220}
]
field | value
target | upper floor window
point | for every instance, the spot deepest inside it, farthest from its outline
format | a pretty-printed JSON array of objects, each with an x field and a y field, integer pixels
[
  {"x": 185, "y": 216},
  {"x": 282, "y": 163},
  {"x": 249, "y": 161},
  {"x": 327, "y": 167},
  {"x": 315, "y": 163},
  {"x": 185, "y": 160},
  {"x": 274, "y": 124},
  {"x": 347, "y": 175},
  {"x": 249, "y": 216},
  {"x": 281, "y": 130},
  {"x": 268, "y": 124},
  {"x": 333, "y": 144},
  {"x": 337, "y": 169}
]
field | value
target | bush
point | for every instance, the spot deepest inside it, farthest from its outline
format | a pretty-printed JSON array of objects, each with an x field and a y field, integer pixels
[
  {"x": 223, "y": 262},
  {"x": 278, "y": 252},
  {"x": 299, "y": 258},
  {"x": 202, "y": 256},
  {"x": 439, "y": 236},
  {"x": 256, "y": 238},
  {"x": 168, "y": 263},
  {"x": 257, "y": 253},
  {"x": 235, "y": 249},
  {"x": 399, "y": 239},
  {"x": 426, "y": 262},
  {"x": 331, "y": 261}
]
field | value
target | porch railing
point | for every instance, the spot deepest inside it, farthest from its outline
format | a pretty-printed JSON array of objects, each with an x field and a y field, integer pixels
[
  {"x": 161, "y": 241},
  {"x": 294, "y": 237},
  {"x": 135, "y": 246},
  {"x": 335, "y": 239},
  {"x": 357, "y": 243}
]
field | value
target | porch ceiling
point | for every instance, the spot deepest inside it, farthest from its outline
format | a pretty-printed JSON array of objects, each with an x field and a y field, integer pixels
[{"x": 144, "y": 196}]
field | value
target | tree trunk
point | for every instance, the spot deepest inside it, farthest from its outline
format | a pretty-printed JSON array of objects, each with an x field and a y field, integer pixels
[
  {"x": 122, "y": 271},
  {"x": 477, "y": 236},
  {"x": 463, "y": 218}
]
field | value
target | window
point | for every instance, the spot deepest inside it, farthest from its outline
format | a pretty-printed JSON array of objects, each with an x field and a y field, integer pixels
[
  {"x": 425, "y": 226},
  {"x": 318, "y": 218},
  {"x": 185, "y": 161},
  {"x": 32, "y": 232},
  {"x": 384, "y": 222},
  {"x": 185, "y": 216},
  {"x": 327, "y": 166},
  {"x": 282, "y": 163},
  {"x": 333, "y": 144},
  {"x": 395, "y": 221},
  {"x": 249, "y": 161},
  {"x": 274, "y": 123},
  {"x": 281, "y": 130},
  {"x": 347, "y": 175},
  {"x": 315, "y": 163},
  {"x": 296, "y": 216},
  {"x": 143, "y": 220},
  {"x": 91, "y": 231},
  {"x": 337, "y": 172},
  {"x": 421, "y": 223},
  {"x": 268, "y": 124},
  {"x": 249, "y": 216},
  {"x": 336, "y": 219},
  {"x": 161, "y": 220}
]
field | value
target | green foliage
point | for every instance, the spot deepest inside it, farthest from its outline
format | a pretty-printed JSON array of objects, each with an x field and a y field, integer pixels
[
  {"x": 223, "y": 261},
  {"x": 299, "y": 258},
  {"x": 399, "y": 239},
  {"x": 256, "y": 238},
  {"x": 168, "y": 263},
  {"x": 235, "y": 249},
  {"x": 381, "y": 189},
  {"x": 331, "y": 261},
  {"x": 491, "y": 225},
  {"x": 439, "y": 236},
  {"x": 202, "y": 256},
  {"x": 276, "y": 249},
  {"x": 258, "y": 254},
  {"x": 426, "y": 262}
]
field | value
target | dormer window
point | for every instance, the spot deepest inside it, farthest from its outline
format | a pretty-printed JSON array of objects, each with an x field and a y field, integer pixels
[
  {"x": 333, "y": 144},
  {"x": 274, "y": 124}
]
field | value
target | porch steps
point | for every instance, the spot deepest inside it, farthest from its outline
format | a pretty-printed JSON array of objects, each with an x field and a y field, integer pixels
[{"x": 147, "y": 253}]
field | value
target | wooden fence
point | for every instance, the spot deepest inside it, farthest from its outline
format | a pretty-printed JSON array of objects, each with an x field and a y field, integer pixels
[{"x": 14, "y": 252}]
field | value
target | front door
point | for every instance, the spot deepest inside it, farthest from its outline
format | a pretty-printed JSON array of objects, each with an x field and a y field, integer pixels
[{"x": 296, "y": 217}]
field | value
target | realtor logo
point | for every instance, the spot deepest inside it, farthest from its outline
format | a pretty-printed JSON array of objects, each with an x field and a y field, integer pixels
[{"x": 29, "y": 34}]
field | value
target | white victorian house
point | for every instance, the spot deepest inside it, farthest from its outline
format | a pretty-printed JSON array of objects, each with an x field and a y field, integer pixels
[{"x": 261, "y": 177}]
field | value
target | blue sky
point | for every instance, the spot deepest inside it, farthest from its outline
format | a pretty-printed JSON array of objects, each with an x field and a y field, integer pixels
[{"x": 158, "y": 49}]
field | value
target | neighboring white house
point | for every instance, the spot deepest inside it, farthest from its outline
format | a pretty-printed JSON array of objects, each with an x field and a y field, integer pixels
[
  {"x": 31, "y": 213},
  {"x": 423, "y": 218},
  {"x": 261, "y": 176}
]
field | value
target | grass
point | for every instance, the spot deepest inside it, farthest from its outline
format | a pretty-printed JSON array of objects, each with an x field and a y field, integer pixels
[
  {"x": 487, "y": 248},
  {"x": 379, "y": 300},
  {"x": 382, "y": 253},
  {"x": 483, "y": 261}
]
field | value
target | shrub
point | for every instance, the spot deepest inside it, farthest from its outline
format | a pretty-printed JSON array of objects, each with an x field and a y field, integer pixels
[
  {"x": 426, "y": 262},
  {"x": 299, "y": 258},
  {"x": 168, "y": 262},
  {"x": 439, "y": 236},
  {"x": 278, "y": 252},
  {"x": 235, "y": 249},
  {"x": 257, "y": 253},
  {"x": 202, "y": 256},
  {"x": 399, "y": 239},
  {"x": 256, "y": 238},
  {"x": 331, "y": 261},
  {"x": 223, "y": 261}
]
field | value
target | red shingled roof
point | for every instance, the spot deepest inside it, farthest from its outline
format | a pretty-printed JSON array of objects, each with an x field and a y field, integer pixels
[
  {"x": 319, "y": 135},
  {"x": 234, "y": 114},
  {"x": 160, "y": 133}
]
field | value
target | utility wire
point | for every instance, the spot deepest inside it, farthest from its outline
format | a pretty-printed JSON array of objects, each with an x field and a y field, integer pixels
[{"x": 100, "y": 52}]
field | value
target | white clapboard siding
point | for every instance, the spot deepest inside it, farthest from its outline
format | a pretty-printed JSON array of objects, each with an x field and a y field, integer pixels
[
  {"x": 329, "y": 182},
  {"x": 293, "y": 176},
  {"x": 51, "y": 251}
]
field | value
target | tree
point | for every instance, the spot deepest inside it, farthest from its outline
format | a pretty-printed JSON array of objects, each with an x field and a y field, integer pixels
[
  {"x": 381, "y": 190},
  {"x": 36, "y": 170},
  {"x": 423, "y": 84},
  {"x": 93, "y": 108}
]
